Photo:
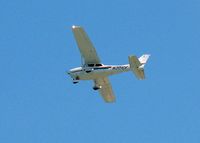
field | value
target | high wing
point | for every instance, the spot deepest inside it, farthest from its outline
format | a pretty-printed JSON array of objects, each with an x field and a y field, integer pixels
[
  {"x": 106, "y": 89},
  {"x": 86, "y": 47}
]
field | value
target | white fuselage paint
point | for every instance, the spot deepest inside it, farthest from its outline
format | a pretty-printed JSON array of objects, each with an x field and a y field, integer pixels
[{"x": 90, "y": 73}]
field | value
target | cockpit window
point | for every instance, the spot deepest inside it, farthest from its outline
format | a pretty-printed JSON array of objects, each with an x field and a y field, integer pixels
[
  {"x": 98, "y": 65},
  {"x": 90, "y": 65}
]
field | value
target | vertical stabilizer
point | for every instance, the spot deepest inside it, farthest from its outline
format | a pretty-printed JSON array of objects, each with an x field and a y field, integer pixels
[{"x": 143, "y": 59}]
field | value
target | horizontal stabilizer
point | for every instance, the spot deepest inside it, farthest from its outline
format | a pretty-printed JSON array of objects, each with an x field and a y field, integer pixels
[{"x": 137, "y": 65}]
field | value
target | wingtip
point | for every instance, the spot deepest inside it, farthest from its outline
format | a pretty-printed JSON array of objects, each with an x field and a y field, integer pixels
[{"x": 74, "y": 26}]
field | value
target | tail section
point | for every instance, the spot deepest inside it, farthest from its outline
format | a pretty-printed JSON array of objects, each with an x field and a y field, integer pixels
[
  {"x": 143, "y": 59},
  {"x": 137, "y": 65}
]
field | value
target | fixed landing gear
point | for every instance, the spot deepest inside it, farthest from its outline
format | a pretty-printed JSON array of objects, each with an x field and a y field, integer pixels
[
  {"x": 75, "y": 82},
  {"x": 97, "y": 87},
  {"x": 88, "y": 71}
]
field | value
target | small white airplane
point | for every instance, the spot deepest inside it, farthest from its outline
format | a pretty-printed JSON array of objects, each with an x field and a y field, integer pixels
[{"x": 93, "y": 69}]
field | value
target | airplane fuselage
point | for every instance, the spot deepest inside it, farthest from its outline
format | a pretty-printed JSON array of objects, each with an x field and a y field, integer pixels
[
  {"x": 90, "y": 73},
  {"x": 92, "y": 69}
]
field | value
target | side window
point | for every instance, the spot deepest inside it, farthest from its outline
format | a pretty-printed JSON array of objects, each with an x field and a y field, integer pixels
[{"x": 98, "y": 65}]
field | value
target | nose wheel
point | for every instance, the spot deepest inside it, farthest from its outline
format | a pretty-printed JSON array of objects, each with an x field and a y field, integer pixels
[{"x": 75, "y": 81}]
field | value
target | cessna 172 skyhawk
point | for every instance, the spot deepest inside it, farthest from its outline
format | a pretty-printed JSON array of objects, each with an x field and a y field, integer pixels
[{"x": 93, "y": 69}]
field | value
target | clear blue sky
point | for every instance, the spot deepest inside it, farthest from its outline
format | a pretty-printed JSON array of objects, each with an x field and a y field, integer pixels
[{"x": 39, "y": 103}]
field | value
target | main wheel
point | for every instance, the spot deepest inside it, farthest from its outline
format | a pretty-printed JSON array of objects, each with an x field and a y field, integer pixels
[{"x": 96, "y": 88}]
